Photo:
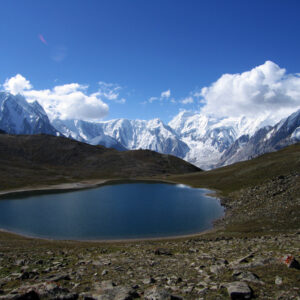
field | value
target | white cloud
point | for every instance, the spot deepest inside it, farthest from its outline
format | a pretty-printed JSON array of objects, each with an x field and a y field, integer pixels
[
  {"x": 69, "y": 101},
  {"x": 165, "y": 94},
  {"x": 68, "y": 88},
  {"x": 17, "y": 84},
  {"x": 187, "y": 100},
  {"x": 151, "y": 99},
  {"x": 110, "y": 91},
  {"x": 121, "y": 101},
  {"x": 197, "y": 94},
  {"x": 264, "y": 90}
]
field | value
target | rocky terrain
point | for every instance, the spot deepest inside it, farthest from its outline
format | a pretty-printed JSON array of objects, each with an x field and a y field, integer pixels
[
  {"x": 212, "y": 266},
  {"x": 272, "y": 205}
]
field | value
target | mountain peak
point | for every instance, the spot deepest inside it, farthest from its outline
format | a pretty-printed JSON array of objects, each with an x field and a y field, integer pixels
[{"x": 17, "y": 116}]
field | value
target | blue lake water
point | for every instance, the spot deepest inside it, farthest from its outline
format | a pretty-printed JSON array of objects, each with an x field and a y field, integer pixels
[{"x": 119, "y": 211}]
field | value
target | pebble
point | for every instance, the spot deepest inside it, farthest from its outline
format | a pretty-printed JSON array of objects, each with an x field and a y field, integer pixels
[{"x": 278, "y": 280}]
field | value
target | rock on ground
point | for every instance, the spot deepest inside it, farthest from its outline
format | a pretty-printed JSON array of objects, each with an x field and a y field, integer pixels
[{"x": 239, "y": 290}]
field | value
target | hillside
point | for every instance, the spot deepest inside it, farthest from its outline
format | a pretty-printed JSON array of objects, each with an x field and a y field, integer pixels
[
  {"x": 32, "y": 160},
  {"x": 247, "y": 173},
  {"x": 261, "y": 194}
]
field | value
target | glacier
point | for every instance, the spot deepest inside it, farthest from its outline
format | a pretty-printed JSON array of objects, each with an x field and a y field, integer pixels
[
  {"x": 209, "y": 137},
  {"x": 129, "y": 134}
]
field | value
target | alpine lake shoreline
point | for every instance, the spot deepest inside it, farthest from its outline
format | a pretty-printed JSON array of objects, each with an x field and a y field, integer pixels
[{"x": 252, "y": 252}]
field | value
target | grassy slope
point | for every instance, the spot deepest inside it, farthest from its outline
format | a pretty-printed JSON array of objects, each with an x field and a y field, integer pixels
[
  {"x": 261, "y": 195},
  {"x": 40, "y": 159},
  {"x": 245, "y": 174}
]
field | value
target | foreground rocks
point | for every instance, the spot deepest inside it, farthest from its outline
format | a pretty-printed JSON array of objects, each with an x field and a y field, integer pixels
[
  {"x": 213, "y": 266},
  {"x": 239, "y": 290},
  {"x": 290, "y": 261},
  {"x": 272, "y": 205},
  {"x": 108, "y": 290}
]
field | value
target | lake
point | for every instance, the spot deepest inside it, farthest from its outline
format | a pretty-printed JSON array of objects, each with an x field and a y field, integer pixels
[{"x": 117, "y": 211}]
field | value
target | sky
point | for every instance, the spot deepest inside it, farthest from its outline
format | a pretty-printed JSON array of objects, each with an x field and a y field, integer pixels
[{"x": 137, "y": 59}]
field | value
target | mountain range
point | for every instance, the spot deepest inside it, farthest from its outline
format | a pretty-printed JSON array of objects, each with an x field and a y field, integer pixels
[
  {"x": 202, "y": 140},
  {"x": 266, "y": 139}
]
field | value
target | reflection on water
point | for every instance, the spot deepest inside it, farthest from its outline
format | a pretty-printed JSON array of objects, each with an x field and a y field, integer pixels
[{"x": 129, "y": 210}]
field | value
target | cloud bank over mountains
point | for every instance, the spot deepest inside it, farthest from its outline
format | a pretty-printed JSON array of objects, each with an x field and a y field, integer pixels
[
  {"x": 69, "y": 101},
  {"x": 266, "y": 91}
]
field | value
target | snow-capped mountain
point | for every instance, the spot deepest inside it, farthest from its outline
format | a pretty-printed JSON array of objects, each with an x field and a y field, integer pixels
[
  {"x": 139, "y": 134},
  {"x": 196, "y": 138},
  {"x": 88, "y": 132},
  {"x": 129, "y": 134},
  {"x": 17, "y": 116},
  {"x": 208, "y": 137},
  {"x": 266, "y": 139},
  {"x": 200, "y": 139}
]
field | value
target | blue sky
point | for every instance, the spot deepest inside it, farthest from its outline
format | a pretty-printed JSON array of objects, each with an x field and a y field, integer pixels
[{"x": 141, "y": 49}]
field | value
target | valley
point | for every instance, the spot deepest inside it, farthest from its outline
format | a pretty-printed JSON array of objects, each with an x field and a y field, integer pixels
[
  {"x": 261, "y": 225},
  {"x": 150, "y": 150}
]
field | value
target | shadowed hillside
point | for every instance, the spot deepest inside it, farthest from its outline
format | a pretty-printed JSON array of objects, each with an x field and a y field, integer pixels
[{"x": 42, "y": 159}]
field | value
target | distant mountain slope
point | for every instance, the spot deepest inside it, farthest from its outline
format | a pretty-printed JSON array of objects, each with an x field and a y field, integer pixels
[
  {"x": 208, "y": 137},
  {"x": 266, "y": 139},
  {"x": 204, "y": 141},
  {"x": 129, "y": 134},
  {"x": 88, "y": 132},
  {"x": 193, "y": 137},
  {"x": 37, "y": 159},
  {"x": 247, "y": 173},
  {"x": 17, "y": 116}
]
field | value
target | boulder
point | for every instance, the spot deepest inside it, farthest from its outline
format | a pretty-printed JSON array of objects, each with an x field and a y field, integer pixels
[
  {"x": 31, "y": 295},
  {"x": 41, "y": 291},
  {"x": 148, "y": 280},
  {"x": 156, "y": 293},
  {"x": 162, "y": 251},
  {"x": 239, "y": 290},
  {"x": 217, "y": 269},
  {"x": 290, "y": 261},
  {"x": 246, "y": 276},
  {"x": 107, "y": 290}
]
